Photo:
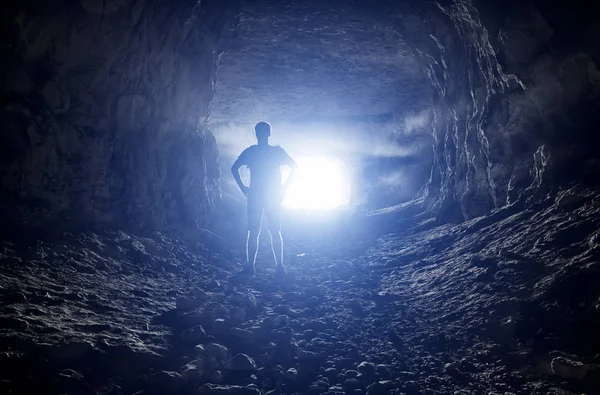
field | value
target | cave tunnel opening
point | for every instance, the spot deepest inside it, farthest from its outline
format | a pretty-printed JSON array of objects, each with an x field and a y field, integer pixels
[{"x": 343, "y": 84}]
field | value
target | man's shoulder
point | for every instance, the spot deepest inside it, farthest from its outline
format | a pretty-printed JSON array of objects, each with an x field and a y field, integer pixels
[{"x": 249, "y": 149}]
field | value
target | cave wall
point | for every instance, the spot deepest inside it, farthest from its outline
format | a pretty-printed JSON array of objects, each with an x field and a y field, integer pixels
[
  {"x": 104, "y": 110},
  {"x": 513, "y": 111}
]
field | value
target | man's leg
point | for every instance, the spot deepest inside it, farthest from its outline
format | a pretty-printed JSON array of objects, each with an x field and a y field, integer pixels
[
  {"x": 274, "y": 219},
  {"x": 252, "y": 247},
  {"x": 254, "y": 221},
  {"x": 277, "y": 246}
]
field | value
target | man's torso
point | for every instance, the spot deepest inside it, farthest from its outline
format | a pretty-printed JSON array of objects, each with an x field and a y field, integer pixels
[{"x": 265, "y": 174}]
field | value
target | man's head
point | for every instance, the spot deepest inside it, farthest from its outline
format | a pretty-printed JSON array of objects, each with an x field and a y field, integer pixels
[{"x": 263, "y": 130}]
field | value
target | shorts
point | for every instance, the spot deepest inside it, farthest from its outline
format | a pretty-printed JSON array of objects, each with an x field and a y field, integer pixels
[{"x": 269, "y": 204}]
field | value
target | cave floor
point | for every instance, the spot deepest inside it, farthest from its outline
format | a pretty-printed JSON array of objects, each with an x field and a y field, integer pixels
[{"x": 482, "y": 307}]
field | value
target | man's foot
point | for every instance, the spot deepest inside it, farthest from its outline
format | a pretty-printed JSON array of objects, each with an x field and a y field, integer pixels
[
  {"x": 247, "y": 271},
  {"x": 279, "y": 270}
]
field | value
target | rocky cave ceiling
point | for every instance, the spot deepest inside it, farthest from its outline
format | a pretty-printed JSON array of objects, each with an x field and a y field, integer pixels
[{"x": 312, "y": 60}]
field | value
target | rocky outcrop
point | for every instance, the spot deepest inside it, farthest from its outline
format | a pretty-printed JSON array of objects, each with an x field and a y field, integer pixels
[
  {"x": 104, "y": 110},
  {"x": 511, "y": 117}
]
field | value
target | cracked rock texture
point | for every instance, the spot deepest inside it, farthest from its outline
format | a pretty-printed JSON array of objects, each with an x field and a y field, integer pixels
[
  {"x": 513, "y": 113},
  {"x": 104, "y": 110}
]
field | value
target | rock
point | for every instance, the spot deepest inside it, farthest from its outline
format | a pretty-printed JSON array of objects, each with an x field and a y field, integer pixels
[
  {"x": 412, "y": 388},
  {"x": 318, "y": 325},
  {"x": 267, "y": 323},
  {"x": 351, "y": 384},
  {"x": 69, "y": 350},
  {"x": 467, "y": 366},
  {"x": 452, "y": 367},
  {"x": 199, "y": 349},
  {"x": 251, "y": 301},
  {"x": 267, "y": 383},
  {"x": 194, "y": 335},
  {"x": 56, "y": 97},
  {"x": 382, "y": 370},
  {"x": 219, "y": 325},
  {"x": 282, "y": 320},
  {"x": 215, "y": 284},
  {"x": 282, "y": 309},
  {"x": 557, "y": 353},
  {"x": 215, "y": 389},
  {"x": 291, "y": 373},
  {"x": 366, "y": 367},
  {"x": 237, "y": 298},
  {"x": 381, "y": 387},
  {"x": 241, "y": 363},
  {"x": 21, "y": 325},
  {"x": 211, "y": 364},
  {"x": 220, "y": 311},
  {"x": 199, "y": 294},
  {"x": 295, "y": 323},
  {"x": 312, "y": 302},
  {"x": 195, "y": 318},
  {"x": 188, "y": 303},
  {"x": 216, "y": 377},
  {"x": 218, "y": 351},
  {"x": 304, "y": 355},
  {"x": 331, "y": 373},
  {"x": 406, "y": 375},
  {"x": 71, "y": 381},
  {"x": 568, "y": 369},
  {"x": 237, "y": 314},
  {"x": 193, "y": 371},
  {"x": 284, "y": 334},
  {"x": 164, "y": 379},
  {"x": 242, "y": 335},
  {"x": 351, "y": 374},
  {"x": 314, "y": 290}
]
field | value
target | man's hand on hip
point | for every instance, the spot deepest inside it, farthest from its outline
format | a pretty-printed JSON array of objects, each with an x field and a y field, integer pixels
[{"x": 245, "y": 190}]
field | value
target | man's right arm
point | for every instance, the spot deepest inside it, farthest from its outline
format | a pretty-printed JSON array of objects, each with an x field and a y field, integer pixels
[{"x": 235, "y": 170}]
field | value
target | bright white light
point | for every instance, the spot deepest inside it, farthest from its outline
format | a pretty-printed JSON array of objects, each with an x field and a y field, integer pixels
[{"x": 320, "y": 183}]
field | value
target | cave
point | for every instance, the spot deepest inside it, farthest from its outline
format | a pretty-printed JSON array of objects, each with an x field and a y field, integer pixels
[{"x": 462, "y": 255}]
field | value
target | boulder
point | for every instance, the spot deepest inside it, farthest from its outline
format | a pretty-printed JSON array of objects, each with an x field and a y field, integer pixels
[
  {"x": 242, "y": 335},
  {"x": 241, "y": 363},
  {"x": 217, "y": 351},
  {"x": 194, "y": 335},
  {"x": 568, "y": 369}
]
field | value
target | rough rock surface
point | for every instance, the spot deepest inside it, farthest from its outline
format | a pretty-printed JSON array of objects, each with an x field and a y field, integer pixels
[
  {"x": 313, "y": 60},
  {"x": 104, "y": 110},
  {"x": 502, "y": 304},
  {"x": 511, "y": 116}
]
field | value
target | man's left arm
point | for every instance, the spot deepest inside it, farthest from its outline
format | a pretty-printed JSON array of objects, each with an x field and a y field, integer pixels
[{"x": 235, "y": 170}]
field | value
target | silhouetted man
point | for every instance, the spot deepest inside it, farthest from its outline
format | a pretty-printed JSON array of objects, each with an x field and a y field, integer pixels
[{"x": 265, "y": 193}]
